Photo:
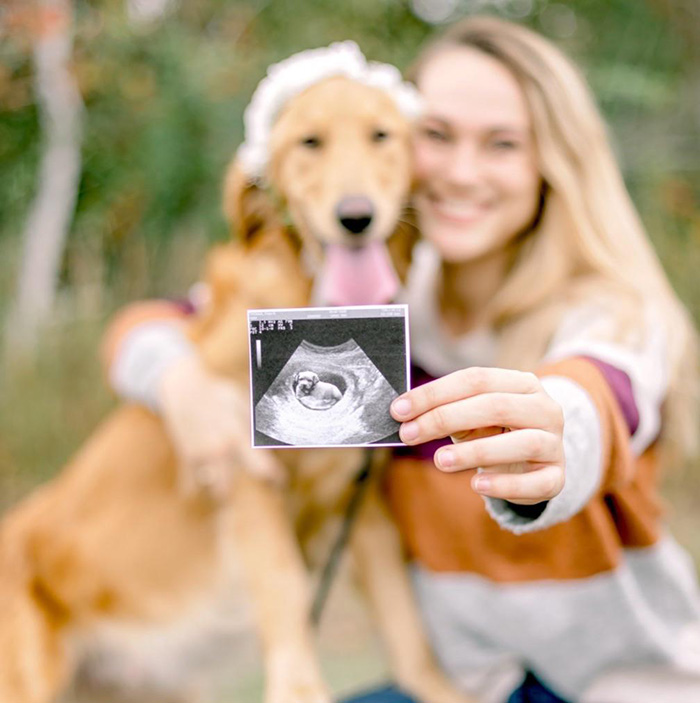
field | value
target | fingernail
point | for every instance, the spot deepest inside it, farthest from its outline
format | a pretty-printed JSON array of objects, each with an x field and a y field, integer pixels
[
  {"x": 445, "y": 458},
  {"x": 481, "y": 484},
  {"x": 401, "y": 406},
  {"x": 408, "y": 431}
]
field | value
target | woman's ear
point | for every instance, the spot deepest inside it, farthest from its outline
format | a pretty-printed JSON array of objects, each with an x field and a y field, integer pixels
[{"x": 248, "y": 206}]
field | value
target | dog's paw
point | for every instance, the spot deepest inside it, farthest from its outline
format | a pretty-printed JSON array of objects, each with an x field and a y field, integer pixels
[
  {"x": 296, "y": 680},
  {"x": 297, "y": 690}
]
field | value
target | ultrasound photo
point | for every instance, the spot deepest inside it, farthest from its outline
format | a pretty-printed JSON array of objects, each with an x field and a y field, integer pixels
[{"x": 325, "y": 377}]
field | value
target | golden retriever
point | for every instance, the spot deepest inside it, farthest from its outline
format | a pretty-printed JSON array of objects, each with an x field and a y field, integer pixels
[{"x": 109, "y": 570}]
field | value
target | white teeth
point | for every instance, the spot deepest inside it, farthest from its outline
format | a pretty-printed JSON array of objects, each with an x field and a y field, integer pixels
[{"x": 458, "y": 209}]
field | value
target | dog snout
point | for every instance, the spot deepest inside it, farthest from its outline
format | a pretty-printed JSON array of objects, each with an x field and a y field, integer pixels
[{"x": 355, "y": 213}]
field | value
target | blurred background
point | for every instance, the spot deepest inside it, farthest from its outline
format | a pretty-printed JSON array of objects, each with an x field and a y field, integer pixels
[{"x": 117, "y": 118}]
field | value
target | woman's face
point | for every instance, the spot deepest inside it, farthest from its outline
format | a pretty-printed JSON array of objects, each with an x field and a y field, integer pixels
[{"x": 478, "y": 182}]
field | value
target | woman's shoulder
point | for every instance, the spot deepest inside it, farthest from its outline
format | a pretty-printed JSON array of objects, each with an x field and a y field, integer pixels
[
  {"x": 605, "y": 316},
  {"x": 625, "y": 337}
]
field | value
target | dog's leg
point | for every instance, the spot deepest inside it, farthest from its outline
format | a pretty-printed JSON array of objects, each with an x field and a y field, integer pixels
[
  {"x": 33, "y": 662},
  {"x": 377, "y": 550},
  {"x": 279, "y": 586}
]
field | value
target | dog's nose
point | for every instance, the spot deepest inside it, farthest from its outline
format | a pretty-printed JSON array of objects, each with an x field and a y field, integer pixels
[{"x": 355, "y": 213}]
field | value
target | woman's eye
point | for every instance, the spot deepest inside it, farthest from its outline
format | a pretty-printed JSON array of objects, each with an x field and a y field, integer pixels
[
  {"x": 311, "y": 142},
  {"x": 434, "y": 135},
  {"x": 380, "y": 135},
  {"x": 504, "y": 144}
]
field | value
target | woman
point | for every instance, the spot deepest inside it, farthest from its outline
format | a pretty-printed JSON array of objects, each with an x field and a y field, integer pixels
[
  {"x": 535, "y": 260},
  {"x": 553, "y": 353}
]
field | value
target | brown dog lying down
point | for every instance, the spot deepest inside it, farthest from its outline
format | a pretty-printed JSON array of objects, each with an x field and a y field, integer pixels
[{"x": 110, "y": 570}]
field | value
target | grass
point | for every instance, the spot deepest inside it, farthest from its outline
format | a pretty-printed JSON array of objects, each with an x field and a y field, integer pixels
[{"x": 49, "y": 405}]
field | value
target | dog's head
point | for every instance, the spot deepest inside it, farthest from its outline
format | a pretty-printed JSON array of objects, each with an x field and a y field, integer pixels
[
  {"x": 338, "y": 166},
  {"x": 304, "y": 382},
  {"x": 340, "y": 158}
]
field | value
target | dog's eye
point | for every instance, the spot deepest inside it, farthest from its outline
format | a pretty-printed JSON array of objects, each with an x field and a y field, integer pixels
[
  {"x": 380, "y": 135},
  {"x": 311, "y": 142}
]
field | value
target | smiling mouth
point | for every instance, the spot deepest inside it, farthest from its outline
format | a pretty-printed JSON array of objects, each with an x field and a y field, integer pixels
[{"x": 459, "y": 211}]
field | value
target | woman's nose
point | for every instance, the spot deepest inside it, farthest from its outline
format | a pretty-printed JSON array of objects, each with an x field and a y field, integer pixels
[{"x": 464, "y": 165}]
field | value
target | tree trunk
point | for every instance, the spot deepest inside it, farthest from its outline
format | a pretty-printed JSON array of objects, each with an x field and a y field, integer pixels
[{"x": 51, "y": 212}]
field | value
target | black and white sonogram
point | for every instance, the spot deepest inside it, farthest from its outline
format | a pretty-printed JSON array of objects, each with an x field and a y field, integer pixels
[{"x": 325, "y": 377}]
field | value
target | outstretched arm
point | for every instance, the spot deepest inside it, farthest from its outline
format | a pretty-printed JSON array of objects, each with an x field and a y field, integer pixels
[{"x": 568, "y": 422}]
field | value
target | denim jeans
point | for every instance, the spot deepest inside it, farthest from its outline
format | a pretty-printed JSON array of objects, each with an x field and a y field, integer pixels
[{"x": 530, "y": 691}]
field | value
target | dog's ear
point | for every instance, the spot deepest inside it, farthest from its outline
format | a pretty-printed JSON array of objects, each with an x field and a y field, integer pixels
[
  {"x": 402, "y": 241},
  {"x": 249, "y": 207}
]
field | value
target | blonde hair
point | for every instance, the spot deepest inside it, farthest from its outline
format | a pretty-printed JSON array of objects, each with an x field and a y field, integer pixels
[{"x": 588, "y": 239}]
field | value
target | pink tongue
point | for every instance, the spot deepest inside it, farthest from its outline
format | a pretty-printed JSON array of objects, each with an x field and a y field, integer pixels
[{"x": 358, "y": 276}]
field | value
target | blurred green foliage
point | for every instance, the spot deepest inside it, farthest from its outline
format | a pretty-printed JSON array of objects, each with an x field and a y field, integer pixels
[{"x": 164, "y": 106}]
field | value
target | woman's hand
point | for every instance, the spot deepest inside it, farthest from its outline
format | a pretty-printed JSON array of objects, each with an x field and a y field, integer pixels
[
  {"x": 500, "y": 421},
  {"x": 208, "y": 418}
]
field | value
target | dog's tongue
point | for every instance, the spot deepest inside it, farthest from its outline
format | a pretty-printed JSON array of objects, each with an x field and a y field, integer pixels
[{"x": 358, "y": 276}]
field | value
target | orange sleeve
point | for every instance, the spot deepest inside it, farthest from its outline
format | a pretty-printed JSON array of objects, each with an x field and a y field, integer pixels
[
  {"x": 129, "y": 318},
  {"x": 618, "y": 460}
]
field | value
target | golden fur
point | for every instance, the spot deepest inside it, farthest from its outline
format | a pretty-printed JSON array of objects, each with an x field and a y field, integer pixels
[{"x": 109, "y": 560}]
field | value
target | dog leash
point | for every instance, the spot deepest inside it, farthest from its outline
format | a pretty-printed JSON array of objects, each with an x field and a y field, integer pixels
[{"x": 330, "y": 568}]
